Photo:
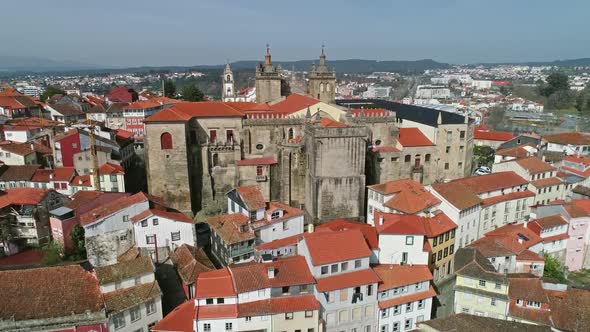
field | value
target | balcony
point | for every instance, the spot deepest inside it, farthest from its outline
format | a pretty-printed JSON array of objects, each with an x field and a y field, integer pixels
[
  {"x": 241, "y": 251},
  {"x": 261, "y": 178},
  {"x": 357, "y": 297}
]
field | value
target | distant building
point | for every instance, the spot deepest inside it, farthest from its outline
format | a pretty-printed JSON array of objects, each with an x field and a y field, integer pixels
[
  {"x": 122, "y": 94},
  {"x": 378, "y": 92}
]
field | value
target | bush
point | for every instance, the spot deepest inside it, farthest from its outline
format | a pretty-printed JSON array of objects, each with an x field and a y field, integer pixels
[{"x": 53, "y": 253}]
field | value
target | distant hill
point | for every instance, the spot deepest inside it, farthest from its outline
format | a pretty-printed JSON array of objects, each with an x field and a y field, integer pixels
[
  {"x": 9, "y": 63},
  {"x": 581, "y": 62}
]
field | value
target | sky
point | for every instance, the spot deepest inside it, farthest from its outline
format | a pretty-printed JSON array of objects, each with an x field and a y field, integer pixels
[{"x": 191, "y": 32}]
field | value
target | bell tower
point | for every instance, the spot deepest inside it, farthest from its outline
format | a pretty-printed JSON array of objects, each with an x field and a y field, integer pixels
[
  {"x": 268, "y": 80},
  {"x": 322, "y": 81},
  {"x": 227, "y": 92}
]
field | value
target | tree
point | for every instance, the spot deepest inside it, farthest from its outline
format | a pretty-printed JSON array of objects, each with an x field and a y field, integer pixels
[
  {"x": 53, "y": 253},
  {"x": 555, "y": 82},
  {"x": 191, "y": 92},
  {"x": 583, "y": 101},
  {"x": 169, "y": 89},
  {"x": 561, "y": 99},
  {"x": 495, "y": 117},
  {"x": 77, "y": 236},
  {"x": 51, "y": 91},
  {"x": 484, "y": 155},
  {"x": 554, "y": 269}
]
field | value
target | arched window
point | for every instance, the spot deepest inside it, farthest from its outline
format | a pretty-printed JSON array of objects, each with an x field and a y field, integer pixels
[
  {"x": 328, "y": 87},
  {"x": 228, "y": 78},
  {"x": 166, "y": 141},
  {"x": 215, "y": 160},
  {"x": 290, "y": 135},
  {"x": 321, "y": 87}
]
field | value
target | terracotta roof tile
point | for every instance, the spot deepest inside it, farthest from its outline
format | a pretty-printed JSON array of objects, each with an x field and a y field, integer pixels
[
  {"x": 574, "y": 138},
  {"x": 215, "y": 283},
  {"x": 187, "y": 110},
  {"x": 409, "y": 196},
  {"x": 190, "y": 262},
  {"x": 507, "y": 197},
  {"x": 171, "y": 214},
  {"x": 252, "y": 197},
  {"x": 180, "y": 319},
  {"x": 228, "y": 227},
  {"x": 369, "y": 232},
  {"x": 408, "y": 298},
  {"x": 528, "y": 255},
  {"x": 278, "y": 305},
  {"x": 542, "y": 183},
  {"x": 535, "y": 165},
  {"x": 257, "y": 161},
  {"x": 413, "y": 137},
  {"x": 114, "y": 206},
  {"x": 217, "y": 311},
  {"x": 570, "y": 310},
  {"x": 351, "y": 244},
  {"x": 288, "y": 271},
  {"x": 124, "y": 270},
  {"x": 347, "y": 280},
  {"x": 110, "y": 168},
  {"x": 501, "y": 136},
  {"x": 48, "y": 292},
  {"x": 23, "y": 196},
  {"x": 123, "y": 299},
  {"x": 549, "y": 221},
  {"x": 293, "y": 103},
  {"x": 287, "y": 241},
  {"x": 395, "y": 275}
]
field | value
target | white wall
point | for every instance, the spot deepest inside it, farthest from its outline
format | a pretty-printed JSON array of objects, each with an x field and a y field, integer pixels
[
  {"x": 114, "y": 222},
  {"x": 163, "y": 231},
  {"x": 393, "y": 246},
  {"x": 281, "y": 229}
]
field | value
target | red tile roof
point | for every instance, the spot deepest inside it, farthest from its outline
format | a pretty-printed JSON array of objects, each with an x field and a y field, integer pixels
[
  {"x": 413, "y": 137},
  {"x": 23, "y": 196},
  {"x": 171, "y": 214},
  {"x": 288, "y": 213},
  {"x": 529, "y": 256},
  {"x": 278, "y": 305},
  {"x": 339, "y": 225},
  {"x": 535, "y": 165},
  {"x": 252, "y": 197},
  {"x": 49, "y": 292},
  {"x": 408, "y": 298},
  {"x": 394, "y": 223},
  {"x": 187, "y": 110},
  {"x": 329, "y": 123},
  {"x": 288, "y": 271},
  {"x": 410, "y": 196},
  {"x": 257, "y": 161},
  {"x": 547, "y": 222},
  {"x": 276, "y": 244},
  {"x": 293, "y": 103},
  {"x": 351, "y": 245},
  {"x": 557, "y": 237},
  {"x": 110, "y": 168},
  {"x": 488, "y": 135},
  {"x": 216, "y": 283},
  {"x": 114, "y": 206},
  {"x": 507, "y": 197},
  {"x": 574, "y": 138},
  {"x": 516, "y": 152},
  {"x": 578, "y": 160},
  {"x": 547, "y": 182},
  {"x": 178, "y": 320},
  {"x": 228, "y": 227},
  {"x": 347, "y": 280},
  {"x": 395, "y": 275},
  {"x": 217, "y": 311},
  {"x": 143, "y": 104},
  {"x": 81, "y": 181}
]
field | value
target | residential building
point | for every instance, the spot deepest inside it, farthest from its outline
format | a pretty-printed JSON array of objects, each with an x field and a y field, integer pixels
[
  {"x": 346, "y": 286},
  {"x": 17, "y": 176},
  {"x": 24, "y": 212},
  {"x": 483, "y": 203},
  {"x": 529, "y": 302},
  {"x": 517, "y": 152},
  {"x": 111, "y": 177},
  {"x": 542, "y": 176},
  {"x": 131, "y": 294},
  {"x": 65, "y": 113},
  {"x": 554, "y": 232},
  {"x": 189, "y": 262},
  {"x": 405, "y": 296},
  {"x": 482, "y": 136},
  {"x": 18, "y": 153},
  {"x": 251, "y": 221},
  {"x": 479, "y": 289},
  {"x": 121, "y": 94},
  {"x": 399, "y": 196},
  {"x": 570, "y": 143}
]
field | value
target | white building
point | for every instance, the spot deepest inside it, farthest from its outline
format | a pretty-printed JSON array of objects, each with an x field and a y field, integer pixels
[
  {"x": 111, "y": 177},
  {"x": 374, "y": 91},
  {"x": 158, "y": 228},
  {"x": 131, "y": 294},
  {"x": 432, "y": 92},
  {"x": 570, "y": 143}
]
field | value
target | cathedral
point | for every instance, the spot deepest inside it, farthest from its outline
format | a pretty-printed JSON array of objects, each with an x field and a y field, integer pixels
[{"x": 306, "y": 150}]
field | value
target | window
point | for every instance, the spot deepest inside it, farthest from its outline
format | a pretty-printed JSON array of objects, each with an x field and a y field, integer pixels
[
  {"x": 212, "y": 136},
  {"x": 453, "y": 234},
  {"x": 446, "y": 252},
  {"x": 150, "y": 239},
  {"x": 433, "y": 258},
  {"x": 229, "y": 326},
  {"x": 144, "y": 223},
  {"x": 404, "y": 258},
  {"x": 498, "y": 286},
  {"x": 482, "y": 283},
  {"x": 435, "y": 242},
  {"x": 408, "y": 324},
  {"x": 259, "y": 146},
  {"x": 175, "y": 236},
  {"x": 207, "y": 327},
  {"x": 126, "y": 217},
  {"x": 135, "y": 313},
  {"x": 220, "y": 300},
  {"x": 421, "y": 304},
  {"x": 303, "y": 289},
  {"x": 385, "y": 313},
  {"x": 343, "y": 294},
  {"x": 285, "y": 289},
  {"x": 407, "y": 158},
  {"x": 248, "y": 318},
  {"x": 451, "y": 249},
  {"x": 493, "y": 301},
  {"x": 288, "y": 315},
  {"x": 447, "y": 236},
  {"x": 155, "y": 221},
  {"x": 448, "y": 149},
  {"x": 384, "y": 328},
  {"x": 209, "y": 301},
  {"x": 439, "y": 255},
  {"x": 418, "y": 285},
  {"x": 427, "y": 158},
  {"x": 229, "y": 136},
  {"x": 357, "y": 264},
  {"x": 324, "y": 269},
  {"x": 395, "y": 327},
  {"x": 409, "y": 307},
  {"x": 397, "y": 310},
  {"x": 369, "y": 290},
  {"x": 344, "y": 266},
  {"x": 119, "y": 321},
  {"x": 308, "y": 313},
  {"x": 166, "y": 141},
  {"x": 446, "y": 165},
  {"x": 409, "y": 240},
  {"x": 462, "y": 134},
  {"x": 334, "y": 268}
]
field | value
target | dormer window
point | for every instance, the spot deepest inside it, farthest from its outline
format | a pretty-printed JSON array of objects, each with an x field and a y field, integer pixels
[{"x": 275, "y": 214}]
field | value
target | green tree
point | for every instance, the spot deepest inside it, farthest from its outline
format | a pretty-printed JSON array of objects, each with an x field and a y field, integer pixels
[
  {"x": 50, "y": 92},
  {"x": 169, "y": 89},
  {"x": 495, "y": 117},
  {"x": 53, "y": 253},
  {"x": 561, "y": 99},
  {"x": 555, "y": 82},
  {"x": 484, "y": 155},
  {"x": 191, "y": 92},
  {"x": 554, "y": 269},
  {"x": 77, "y": 236},
  {"x": 583, "y": 101}
]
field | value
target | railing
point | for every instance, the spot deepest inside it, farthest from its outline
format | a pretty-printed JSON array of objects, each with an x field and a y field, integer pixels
[{"x": 241, "y": 251}]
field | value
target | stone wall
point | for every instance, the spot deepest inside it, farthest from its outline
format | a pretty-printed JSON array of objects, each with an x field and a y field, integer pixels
[{"x": 104, "y": 249}]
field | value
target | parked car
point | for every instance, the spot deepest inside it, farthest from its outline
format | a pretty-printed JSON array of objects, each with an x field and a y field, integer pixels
[{"x": 483, "y": 170}]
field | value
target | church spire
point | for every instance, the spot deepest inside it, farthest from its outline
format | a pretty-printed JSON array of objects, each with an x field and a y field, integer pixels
[
  {"x": 323, "y": 56},
  {"x": 267, "y": 61}
]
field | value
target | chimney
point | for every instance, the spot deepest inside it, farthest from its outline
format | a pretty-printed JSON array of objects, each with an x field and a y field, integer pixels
[
  {"x": 32, "y": 147},
  {"x": 50, "y": 175},
  {"x": 310, "y": 228},
  {"x": 271, "y": 272},
  {"x": 380, "y": 219}
]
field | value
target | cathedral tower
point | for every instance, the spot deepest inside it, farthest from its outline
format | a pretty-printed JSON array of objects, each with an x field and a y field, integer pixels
[
  {"x": 227, "y": 90},
  {"x": 322, "y": 81},
  {"x": 268, "y": 80}
]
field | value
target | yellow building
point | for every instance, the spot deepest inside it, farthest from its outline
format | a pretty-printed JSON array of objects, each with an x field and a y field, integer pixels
[
  {"x": 479, "y": 289},
  {"x": 440, "y": 234}
]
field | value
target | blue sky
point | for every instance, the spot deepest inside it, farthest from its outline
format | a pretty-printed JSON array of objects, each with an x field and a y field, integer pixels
[{"x": 189, "y": 32}]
